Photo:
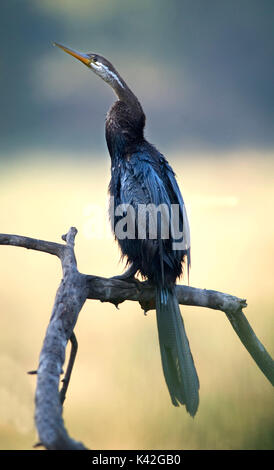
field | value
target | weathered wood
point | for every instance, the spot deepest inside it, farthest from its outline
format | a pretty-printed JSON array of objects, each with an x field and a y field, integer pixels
[
  {"x": 69, "y": 300},
  {"x": 74, "y": 290}
]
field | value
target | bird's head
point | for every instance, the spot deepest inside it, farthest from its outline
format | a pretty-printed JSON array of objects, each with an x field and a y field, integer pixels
[{"x": 99, "y": 65}]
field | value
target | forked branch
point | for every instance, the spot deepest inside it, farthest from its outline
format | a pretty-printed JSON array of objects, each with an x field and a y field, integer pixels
[{"x": 74, "y": 290}]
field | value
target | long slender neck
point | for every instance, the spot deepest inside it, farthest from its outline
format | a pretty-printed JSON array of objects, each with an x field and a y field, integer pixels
[
  {"x": 125, "y": 121},
  {"x": 125, "y": 95}
]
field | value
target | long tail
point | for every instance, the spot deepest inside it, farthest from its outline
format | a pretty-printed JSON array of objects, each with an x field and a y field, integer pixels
[{"x": 177, "y": 361}]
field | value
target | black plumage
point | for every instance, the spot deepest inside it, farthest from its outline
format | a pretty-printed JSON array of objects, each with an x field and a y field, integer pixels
[{"x": 141, "y": 176}]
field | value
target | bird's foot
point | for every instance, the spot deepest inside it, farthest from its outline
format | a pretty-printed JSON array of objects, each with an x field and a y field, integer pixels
[
  {"x": 121, "y": 277},
  {"x": 128, "y": 276}
]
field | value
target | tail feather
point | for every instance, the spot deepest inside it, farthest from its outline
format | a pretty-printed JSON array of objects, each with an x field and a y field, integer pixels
[{"x": 177, "y": 361}]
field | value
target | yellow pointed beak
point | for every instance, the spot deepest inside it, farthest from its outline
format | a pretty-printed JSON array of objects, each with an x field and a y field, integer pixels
[{"x": 78, "y": 55}]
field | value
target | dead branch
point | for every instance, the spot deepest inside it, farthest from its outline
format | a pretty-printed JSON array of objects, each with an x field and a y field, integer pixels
[{"x": 74, "y": 290}]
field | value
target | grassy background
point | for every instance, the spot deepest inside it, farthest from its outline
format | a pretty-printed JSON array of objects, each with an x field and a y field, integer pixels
[{"x": 117, "y": 397}]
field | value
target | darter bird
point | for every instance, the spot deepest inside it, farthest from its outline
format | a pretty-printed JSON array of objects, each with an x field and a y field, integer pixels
[{"x": 142, "y": 177}]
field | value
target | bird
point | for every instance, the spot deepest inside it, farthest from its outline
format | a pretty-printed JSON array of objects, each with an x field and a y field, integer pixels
[{"x": 140, "y": 177}]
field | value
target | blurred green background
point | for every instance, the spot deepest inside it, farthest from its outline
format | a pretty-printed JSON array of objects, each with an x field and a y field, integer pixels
[{"x": 203, "y": 71}]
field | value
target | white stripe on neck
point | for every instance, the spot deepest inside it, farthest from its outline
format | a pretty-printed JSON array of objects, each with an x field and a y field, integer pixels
[{"x": 107, "y": 73}]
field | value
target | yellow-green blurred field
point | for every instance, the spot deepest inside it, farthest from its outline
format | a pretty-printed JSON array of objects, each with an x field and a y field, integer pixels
[{"x": 117, "y": 398}]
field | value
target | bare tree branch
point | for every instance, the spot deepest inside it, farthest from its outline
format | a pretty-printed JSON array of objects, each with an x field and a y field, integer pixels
[
  {"x": 72, "y": 293},
  {"x": 117, "y": 291},
  {"x": 69, "y": 300},
  {"x": 31, "y": 243}
]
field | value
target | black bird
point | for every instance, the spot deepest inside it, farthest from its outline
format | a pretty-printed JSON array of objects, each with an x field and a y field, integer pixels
[{"x": 141, "y": 176}]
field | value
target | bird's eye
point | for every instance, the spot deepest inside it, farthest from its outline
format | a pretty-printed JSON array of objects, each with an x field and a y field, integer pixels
[{"x": 95, "y": 60}]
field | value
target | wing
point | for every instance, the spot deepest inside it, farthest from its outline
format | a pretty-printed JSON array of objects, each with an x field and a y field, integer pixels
[
  {"x": 177, "y": 197},
  {"x": 143, "y": 183}
]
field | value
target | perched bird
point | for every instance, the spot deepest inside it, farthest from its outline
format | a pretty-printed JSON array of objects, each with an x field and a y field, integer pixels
[{"x": 142, "y": 177}]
